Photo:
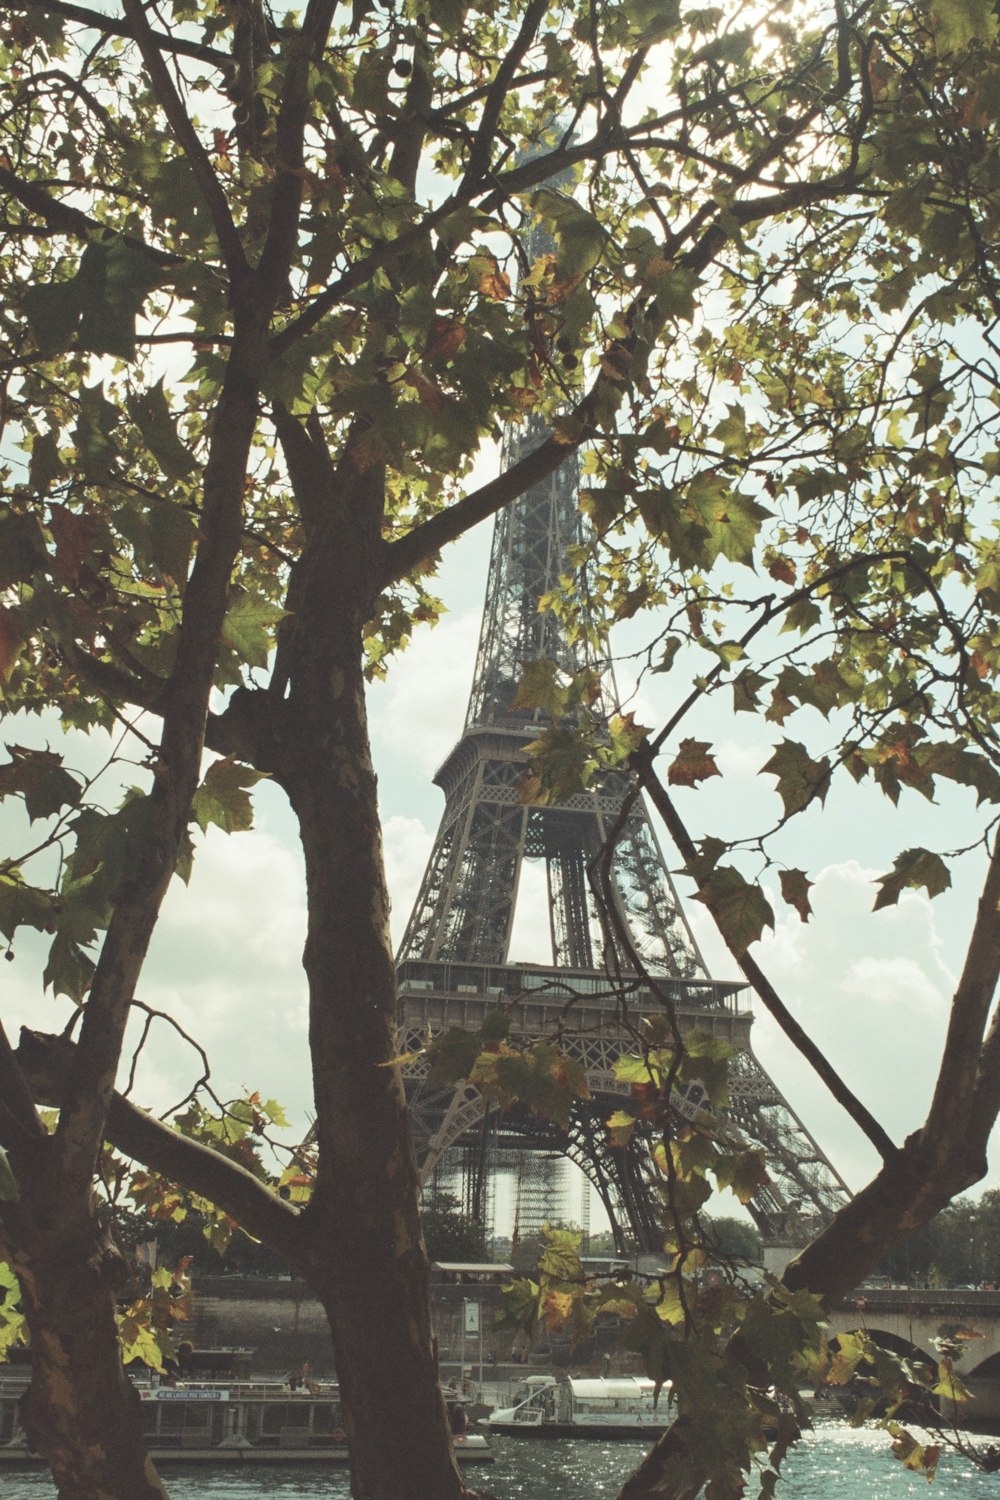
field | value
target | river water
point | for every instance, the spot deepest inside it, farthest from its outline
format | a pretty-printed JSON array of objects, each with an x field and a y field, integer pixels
[{"x": 834, "y": 1462}]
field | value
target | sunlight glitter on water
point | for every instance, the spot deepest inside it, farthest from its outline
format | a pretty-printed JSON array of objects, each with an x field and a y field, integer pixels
[{"x": 832, "y": 1461}]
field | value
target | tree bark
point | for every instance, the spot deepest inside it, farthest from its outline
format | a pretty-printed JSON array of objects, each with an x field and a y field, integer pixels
[
  {"x": 80, "y": 1410},
  {"x": 369, "y": 1269}
]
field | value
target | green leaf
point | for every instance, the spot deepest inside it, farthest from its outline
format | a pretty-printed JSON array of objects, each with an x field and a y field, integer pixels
[
  {"x": 68, "y": 970},
  {"x": 560, "y": 1257},
  {"x": 800, "y": 778},
  {"x": 647, "y": 1336},
  {"x": 620, "y": 1126},
  {"x": 41, "y": 779},
  {"x": 518, "y": 1304},
  {"x": 959, "y": 23},
  {"x": 912, "y": 869},
  {"x": 53, "y": 312},
  {"x": 539, "y": 687},
  {"x": 652, "y": 20},
  {"x": 744, "y": 1173},
  {"x": 582, "y": 238},
  {"x": 249, "y": 628},
  {"x": 222, "y": 798},
  {"x": 150, "y": 411},
  {"x": 741, "y": 910},
  {"x": 452, "y": 1055},
  {"x": 114, "y": 279},
  {"x": 97, "y": 422},
  {"x": 23, "y": 905},
  {"x": 746, "y": 688},
  {"x": 645, "y": 1071},
  {"x": 98, "y": 307},
  {"x": 541, "y": 1079},
  {"x": 46, "y": 464},
  {"x": 172, "y": 531}
]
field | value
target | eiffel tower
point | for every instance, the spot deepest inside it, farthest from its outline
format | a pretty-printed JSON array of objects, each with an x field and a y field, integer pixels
[{"x": 453, "y": 965}]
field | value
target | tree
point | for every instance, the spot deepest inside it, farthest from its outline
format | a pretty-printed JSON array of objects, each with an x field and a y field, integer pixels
[
  {"x": 449, "y": 1234},
  {"x": 265, "y": 297},
  {"x": 736, "y": 1239}
]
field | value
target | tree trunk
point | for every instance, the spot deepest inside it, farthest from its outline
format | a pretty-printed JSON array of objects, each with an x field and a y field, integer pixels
[
  {"x": 80, "y": 1412},
  {"x": 369, "y": 1266}
]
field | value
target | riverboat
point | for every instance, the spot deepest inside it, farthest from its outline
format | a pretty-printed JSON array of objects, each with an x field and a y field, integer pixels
[
  {"x": 233, "y": 1422},
  {"x": 619, "y": 1407}
]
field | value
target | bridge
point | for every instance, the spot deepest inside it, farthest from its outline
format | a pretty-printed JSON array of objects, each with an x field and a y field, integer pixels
[{"x": 910, "y": 1319}]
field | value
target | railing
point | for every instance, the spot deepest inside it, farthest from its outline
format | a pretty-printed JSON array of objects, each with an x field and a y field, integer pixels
[{"x": 554, "y": 988}]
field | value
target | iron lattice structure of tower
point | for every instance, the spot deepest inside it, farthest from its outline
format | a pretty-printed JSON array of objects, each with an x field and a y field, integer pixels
[{"x": 453, "y": 966}]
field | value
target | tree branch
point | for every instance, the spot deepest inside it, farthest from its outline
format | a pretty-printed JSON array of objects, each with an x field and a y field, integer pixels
[
  {"x": 47, "y": 1061},
  {"x": 641, "y": 762},
  {"x": 286, "y": 200},
  {"x": 112, "y": 26},
  {"x": 19, "y": 1122},
  {"x": 969, "y": 1062},
  {"x": 69, "y": 220},
  {"x": 482, "y": 145},
  {"x": 186, "y": 136}
]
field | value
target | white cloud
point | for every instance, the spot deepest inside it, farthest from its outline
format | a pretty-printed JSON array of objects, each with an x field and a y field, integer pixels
[
  {"x": 419, "y": 711},
  {"x": 226, "y": 965},
  {"x": 872, "y": 991},
  {"x": 894, "y": 981},
  {"x": 407, "y": 843}
]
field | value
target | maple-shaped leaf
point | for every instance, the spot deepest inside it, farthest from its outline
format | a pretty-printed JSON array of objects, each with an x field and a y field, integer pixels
[
  {"x": 740, "y": 909},
  {"x": 557, "y": 1308},
  {"x": 494, "y": 283},
  {"x": 560, "y": 1259},
  {"x": 781, "y": 706},
  {"x": 40, "y": 778},
  {"x": 795, "y": 888},
  {"x": 949, "y": 1384},
  {"x": 249, "y": 628},
  {"x": 746, "y": 690},
  {"x": 223, "y": 798},
  {"x": 647, "y": 1336},
  {"x": 219, "y": 1233},
  {"x": 673, "y": 1302},
  {"x": 625, "y": 736},
  {"x": 918, "y": 1457},
  {"x": 912, "y": 869},
  {"x": 644, "y": 1071},
  {"x": 444, "y": 338},
  {"x": 540, "y": 688},
  {"x": 23, "y": 905},
  {"x": 692, "y": 764},
  {"x": 852, "y": 1349},
  {"x": 540, "y": 1078},
  {"x": 518, "y": 1304},
  {"x": 800, "y": 778},
  {"x": 454, "y": 1054},
  {"x": 150, "y": 411},
  {"x": 744, "y": 1173}
]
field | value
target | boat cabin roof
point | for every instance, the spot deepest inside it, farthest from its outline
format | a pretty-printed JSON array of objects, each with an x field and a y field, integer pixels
[{"x": 616, "y": 1387}]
